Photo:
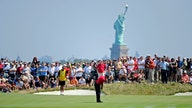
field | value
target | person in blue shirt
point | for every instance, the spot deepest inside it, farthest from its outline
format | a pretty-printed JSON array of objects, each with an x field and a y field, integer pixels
[
  {"x": 179, "y": 68},
  {"x": 43, "y": 76},
  {"x": 164, "y": 70}
]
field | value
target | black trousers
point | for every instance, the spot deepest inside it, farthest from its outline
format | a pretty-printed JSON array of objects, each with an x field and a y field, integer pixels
[
  {"x": 98, "y": 91},
  {"x": 164, "y": 76}
]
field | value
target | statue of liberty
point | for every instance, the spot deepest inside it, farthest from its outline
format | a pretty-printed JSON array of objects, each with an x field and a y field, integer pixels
[{"x": 119, "y": 26}]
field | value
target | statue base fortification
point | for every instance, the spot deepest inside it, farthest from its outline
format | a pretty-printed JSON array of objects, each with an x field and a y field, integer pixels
[{"x": 118, "y": 50}]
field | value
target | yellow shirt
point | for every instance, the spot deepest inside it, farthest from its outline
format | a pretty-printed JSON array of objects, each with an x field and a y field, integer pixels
[{"x": 62, "y": 75}]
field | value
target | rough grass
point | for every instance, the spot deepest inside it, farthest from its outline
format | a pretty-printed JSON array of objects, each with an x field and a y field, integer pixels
[
  {"x": 146, "y": 89},
  {"x": 122, "y": 88}
]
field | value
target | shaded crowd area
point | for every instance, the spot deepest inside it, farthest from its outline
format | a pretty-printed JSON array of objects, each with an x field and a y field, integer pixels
[{"x": 21, "y": 75}]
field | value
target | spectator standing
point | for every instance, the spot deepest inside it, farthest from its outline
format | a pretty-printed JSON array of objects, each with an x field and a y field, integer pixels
[
  {"x": 87, "y": 70},
  {"x": 147, "y": 60},
  {"x": 43, "y": 76},
  {"x": 72, "y": 73},
  {"x": 57, "y": 69},
  {"x": 141, "y": 66},
  {"x": 118, "y": 66},
  {"x": 33, "y": 69},
  {"x": 151, "y": 66},
  {"x": 173, "y": 70},
  {"x": 19, "y": 70},
  {"x": 12, "y": 72},
  {"x": 179, "y": 68},
  {"x": 51, "y": 71},
  {"x": 26, "y": 69},
  {"x": 164, "y": 67},
  {"x": 35, "y": 61},
  {"x": 6, "y": 69},
  {"x": 135, "y": 65},
  {"x": 130, "y": 65}
]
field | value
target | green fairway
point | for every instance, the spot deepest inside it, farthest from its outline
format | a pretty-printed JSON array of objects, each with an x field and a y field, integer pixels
[{"x": 110, "y": 101}]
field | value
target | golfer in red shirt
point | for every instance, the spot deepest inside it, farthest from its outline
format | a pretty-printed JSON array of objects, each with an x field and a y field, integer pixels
[{"x": 98, "y": 86}]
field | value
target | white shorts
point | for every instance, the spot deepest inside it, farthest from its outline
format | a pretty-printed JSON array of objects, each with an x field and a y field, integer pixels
[{"x": 101, "y": 74}]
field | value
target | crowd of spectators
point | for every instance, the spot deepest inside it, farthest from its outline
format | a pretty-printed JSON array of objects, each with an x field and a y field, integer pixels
[{"x": 20, "y": 75}]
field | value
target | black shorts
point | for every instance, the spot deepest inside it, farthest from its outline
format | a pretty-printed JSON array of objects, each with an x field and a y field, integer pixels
[
  {"x": 43, "y": 78},
  {"x": 61, "y": 82},
  {"x": 88, "y": 81}
]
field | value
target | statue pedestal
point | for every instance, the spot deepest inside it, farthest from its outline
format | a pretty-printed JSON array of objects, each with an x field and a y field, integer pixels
[{"x": 118, "y": 50}]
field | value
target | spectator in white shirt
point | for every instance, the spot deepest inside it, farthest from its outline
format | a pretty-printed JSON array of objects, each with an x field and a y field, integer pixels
[
  {"x": 79, "y": 72},
  {"x": 51, "y": 71},
  {"x": 81, "y": 82}
]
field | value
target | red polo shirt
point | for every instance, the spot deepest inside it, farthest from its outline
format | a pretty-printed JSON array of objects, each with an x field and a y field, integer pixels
[{"x": 101, "y": 67}]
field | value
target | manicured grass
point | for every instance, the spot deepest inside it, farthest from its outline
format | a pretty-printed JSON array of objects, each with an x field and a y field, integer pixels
[{"x": 15, "y": 100}]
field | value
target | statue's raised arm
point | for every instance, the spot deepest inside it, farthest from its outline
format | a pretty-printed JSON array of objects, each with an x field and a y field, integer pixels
[{"x": 126, "y": 8}]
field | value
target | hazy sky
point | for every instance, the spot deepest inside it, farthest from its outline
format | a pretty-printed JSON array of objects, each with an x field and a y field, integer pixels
[{"x": 84, "y": 28}]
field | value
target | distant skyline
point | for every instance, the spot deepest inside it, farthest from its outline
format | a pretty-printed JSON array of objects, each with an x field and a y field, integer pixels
[{"x": 84, "y": 28}]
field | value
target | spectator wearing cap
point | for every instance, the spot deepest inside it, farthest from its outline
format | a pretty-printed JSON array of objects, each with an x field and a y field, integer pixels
[
  {"x": 184, "y": 78},
  {"x": 6, "y": 68},
  {"x": 72, "y": 73},
  {"x": 26, "y": 68},
  {"x": 19, "y": 70},
  {"x": 123, "y": 74}
]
